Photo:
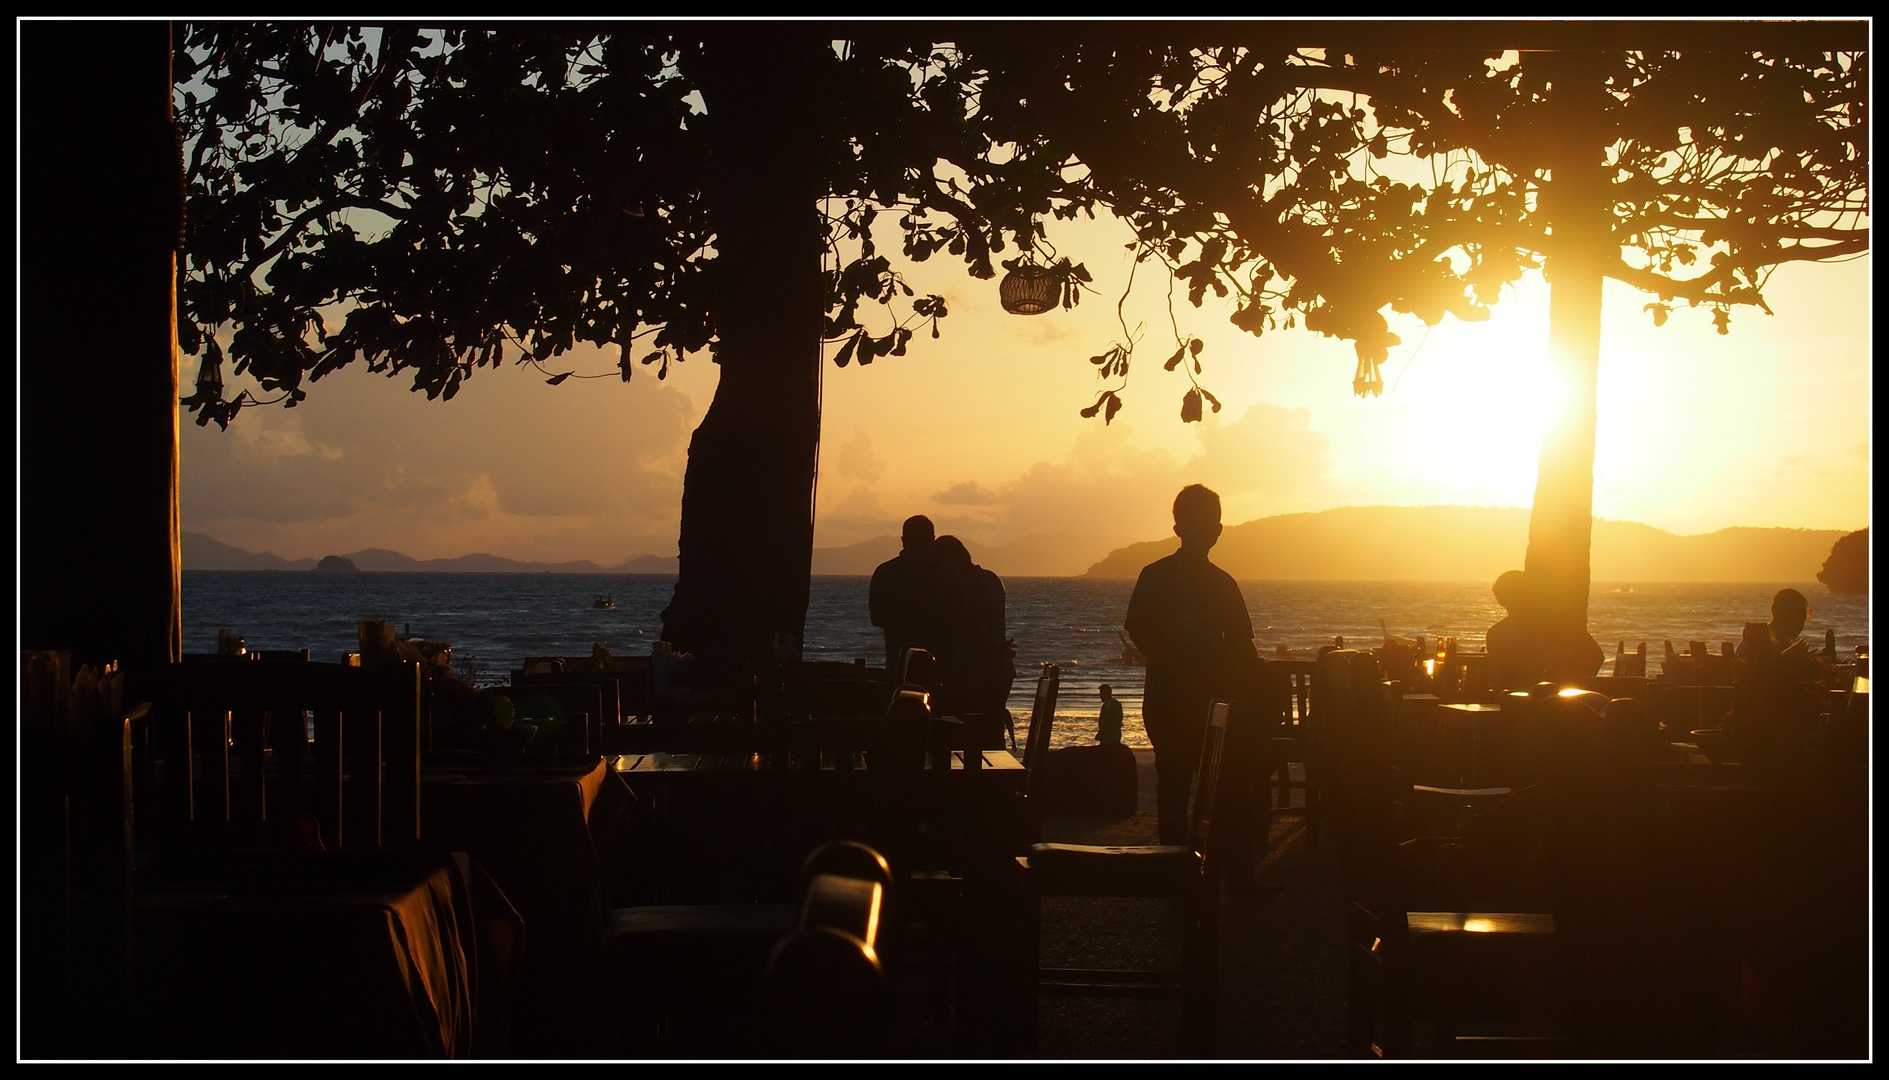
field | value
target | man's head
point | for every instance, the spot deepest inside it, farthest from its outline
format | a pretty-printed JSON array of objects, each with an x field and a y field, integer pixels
[
  {"x": 1197, "y": 517},
  {"x": 1789, "y": 611},
  {"x": 1511, "y": 589},
  {"x": 918, "y": 533},
  {"x": 1107, "y": 692}
]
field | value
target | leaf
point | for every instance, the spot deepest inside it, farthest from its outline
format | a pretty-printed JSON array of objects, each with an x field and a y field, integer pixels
[
  {"x": 1114, "y": 406},
  {"x": 1660, "y": 311},
  {"x": 1211, "y": 400},
  {"x": 1093, "y": 409},
  {"x": 1190, "y": 407},
  {"x": 1194, "y": 346},
  {"x": 1722, "y": 321},
  {"x": 556, "y": 379},
  {"x": 1175, "y": 360},
  {"x": 653, "y": 357},
  {"x": 845, "y": 355}
]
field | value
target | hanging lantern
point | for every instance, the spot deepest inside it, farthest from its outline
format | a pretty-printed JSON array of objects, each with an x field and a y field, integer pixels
[
  {"x": 1029, "y": 290},
  {"x": 1369, "y": 379},
  {"x": 210, "y": 376}
]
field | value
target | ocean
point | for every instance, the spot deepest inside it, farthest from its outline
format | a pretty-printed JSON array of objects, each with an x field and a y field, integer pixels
[{"x": 493, "y": 621}]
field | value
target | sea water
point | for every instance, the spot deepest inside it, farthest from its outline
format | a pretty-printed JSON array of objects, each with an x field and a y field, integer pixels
[{"x": 494, "y": 621}]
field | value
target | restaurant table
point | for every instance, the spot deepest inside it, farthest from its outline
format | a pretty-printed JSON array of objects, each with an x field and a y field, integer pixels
[
  {"x": 732, "y": 827},
  {"x": 319, "y": 955},
  {"x": 544, "y": 828},
  {"x": 1764, "y": 881}
]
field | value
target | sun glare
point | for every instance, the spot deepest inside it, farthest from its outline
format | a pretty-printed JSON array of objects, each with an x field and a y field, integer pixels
[{"x": 1486, "y": 395}]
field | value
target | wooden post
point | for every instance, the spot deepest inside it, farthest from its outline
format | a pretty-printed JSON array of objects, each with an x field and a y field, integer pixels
[{"x": 100, "y": 197}]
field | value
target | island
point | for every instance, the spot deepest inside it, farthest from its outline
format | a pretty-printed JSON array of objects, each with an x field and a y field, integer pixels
[
  {"x": 1847, "y": 568},
  {"x": 335, "y": 564}
]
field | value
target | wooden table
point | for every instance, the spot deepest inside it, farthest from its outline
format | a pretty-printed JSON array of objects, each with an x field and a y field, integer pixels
[
  {"x": 545, "y": 828},
  {"x": 370, "y": 954},
  {"x": 733, "y": 827}
]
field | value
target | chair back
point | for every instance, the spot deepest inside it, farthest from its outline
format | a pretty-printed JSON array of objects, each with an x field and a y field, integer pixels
[
  {"x": 1042, "y": 718},
  {"x": 1204, "y": 798},
  {"x": 236, "y": 751},
  {"x": 1300, "y": 673},
  {"x": 917, "y": 667},
  {"x": 1630, "y": 665},
  {"x": 575, "y": 708}
]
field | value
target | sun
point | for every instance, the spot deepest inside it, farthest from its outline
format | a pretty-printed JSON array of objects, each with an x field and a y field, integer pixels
[{"x": 1486, "y": 395}]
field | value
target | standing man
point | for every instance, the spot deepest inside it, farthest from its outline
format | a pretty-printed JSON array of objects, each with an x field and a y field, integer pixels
[
  {"x": 1108, "y": 726},
  {"x": 1188, "y": 617},
  {"x": 916, "y": 598}
]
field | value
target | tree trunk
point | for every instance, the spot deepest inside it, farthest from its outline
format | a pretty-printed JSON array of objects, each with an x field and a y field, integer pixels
[
  {"x": 1561, "y": 526},
  {"x": 746, "y": 541},
  {"x": 100, "y": 191}
]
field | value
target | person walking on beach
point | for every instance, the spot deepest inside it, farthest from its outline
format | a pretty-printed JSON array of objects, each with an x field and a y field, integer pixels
[
  {"x": 1188, "y": 616},
  {"x": 1108, "y": 726},
  {"x": 916, "y": 599}
]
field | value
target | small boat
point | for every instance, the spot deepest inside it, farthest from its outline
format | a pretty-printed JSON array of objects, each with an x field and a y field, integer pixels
[{"x": 603, "y": 602}]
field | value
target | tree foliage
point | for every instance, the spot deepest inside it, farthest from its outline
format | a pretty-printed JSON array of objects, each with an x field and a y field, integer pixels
[{"x": 420, "y": 200}]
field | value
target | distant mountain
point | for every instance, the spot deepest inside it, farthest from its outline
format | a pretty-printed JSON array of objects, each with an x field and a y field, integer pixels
[
  {"x": 335, "y": 564},
  {"x": 858, "y": 558},
  {"x": 1474, "y": 543},
  {"x": 646, "y": 564},
  {"x": 206, "y": 553},
  {"x": 1039, "y": 555}
]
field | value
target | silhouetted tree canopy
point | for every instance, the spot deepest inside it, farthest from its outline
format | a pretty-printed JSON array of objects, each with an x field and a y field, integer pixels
[
  {"x": 455, "y": 190},
  {"x": 420, "y": 199}
]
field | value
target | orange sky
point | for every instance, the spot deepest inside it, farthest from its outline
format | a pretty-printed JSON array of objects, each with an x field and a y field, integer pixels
[{"x": 1770, "y": 425}]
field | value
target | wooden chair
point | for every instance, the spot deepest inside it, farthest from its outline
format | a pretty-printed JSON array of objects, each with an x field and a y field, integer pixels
[
  {"x": 1630, "y": 665},
  {"x": 824, "y": 992},
  {"x": 611, "y": 708},
  {"x": 1416, "y": 972},
  {"x": 1180, "y": 872},
  {"x": 1298, "y": 746},
  {"x": 685, "y": 971},
  {"x": 575, "y": 708},
  {"x": 235, "y": 752}
]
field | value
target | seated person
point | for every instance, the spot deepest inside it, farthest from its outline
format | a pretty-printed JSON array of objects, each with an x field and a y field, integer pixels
[
  {"x": 1789, "y": 612},
  {"x": 1515, "y": 658}
]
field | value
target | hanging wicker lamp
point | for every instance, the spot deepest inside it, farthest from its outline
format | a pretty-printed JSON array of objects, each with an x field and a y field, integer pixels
[{"x": 1029, "y": 290}]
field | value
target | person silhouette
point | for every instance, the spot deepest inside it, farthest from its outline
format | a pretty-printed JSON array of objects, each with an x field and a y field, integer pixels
[
  {"x": 984, "y": 668},
  {"x": 1515, "y": 658},
  {"x": 917, "y": 599},
  {"x": 1108, "y": 725},
  {"x": 1188, "y": 617},
  {"x": 1789, "y": 612}
]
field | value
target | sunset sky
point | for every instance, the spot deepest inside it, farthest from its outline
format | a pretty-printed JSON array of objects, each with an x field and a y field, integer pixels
[{"x": 1769, "y": 426}]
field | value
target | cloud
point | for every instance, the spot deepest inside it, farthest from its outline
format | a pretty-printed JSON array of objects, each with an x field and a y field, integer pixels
[
  {"x": 1270, "y": 460},
  {"x": 967, "y": 493},
  {"x": 859, "y": 516},
  {"x": 586, "y": 470},
  {"x": 856, "y": 459}
]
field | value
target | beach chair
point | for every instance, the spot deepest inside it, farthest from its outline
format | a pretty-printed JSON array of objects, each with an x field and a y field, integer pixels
[{"x": 1179, "y": 872}]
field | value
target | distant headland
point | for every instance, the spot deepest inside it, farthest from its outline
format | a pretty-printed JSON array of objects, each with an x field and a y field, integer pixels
[{"x": 1408, "y": 543}]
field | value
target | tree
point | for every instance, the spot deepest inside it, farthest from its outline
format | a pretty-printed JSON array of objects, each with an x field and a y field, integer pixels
[
  {"x": 431, "y": 202},
  {"x": 1685, "y": 160},
  {"x": 604, "y": 184}
]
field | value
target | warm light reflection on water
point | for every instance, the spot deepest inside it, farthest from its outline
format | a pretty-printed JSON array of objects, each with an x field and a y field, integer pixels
[{"x": 498, "y": 619}]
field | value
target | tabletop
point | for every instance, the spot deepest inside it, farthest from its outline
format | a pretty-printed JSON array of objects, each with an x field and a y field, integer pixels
[{"x": 322, "y": 955}]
